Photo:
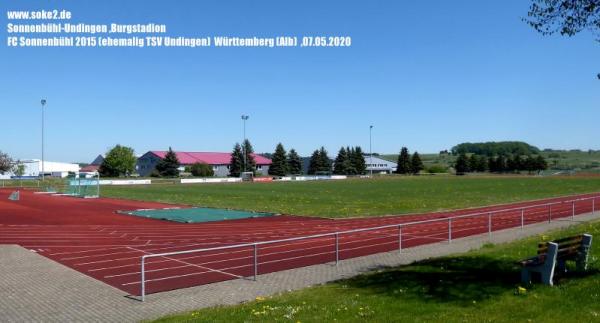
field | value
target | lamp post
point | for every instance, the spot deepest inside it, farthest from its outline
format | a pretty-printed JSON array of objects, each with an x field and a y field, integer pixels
[
  {"x": 43, "y": 102},
  {"x": 244, "y": 118},
  {"x": 370, "y": 151}
]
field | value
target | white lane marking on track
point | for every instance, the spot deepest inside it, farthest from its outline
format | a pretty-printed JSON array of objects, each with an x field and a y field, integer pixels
[
  {"x": 266, "y": 254},
  {"x": 202, "y": 267},
  {"x": 423, "y": 228}
]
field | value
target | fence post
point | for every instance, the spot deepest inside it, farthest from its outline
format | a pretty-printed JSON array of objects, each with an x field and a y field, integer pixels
[
  {"x": 573, "y": 211},
  {"x": 449, "y": 230},
  {"x": 255, "y": 261},
  {"x": 490, "y": 224},
  {"x": 593, "y": 205},
  {"x": 143, "y": 271},
  {"x": 337, "y": 248},
  {"x": 400, "y": 238},
  {"x": 549, "y": 213},
  {"x": 522, "y": 218}
]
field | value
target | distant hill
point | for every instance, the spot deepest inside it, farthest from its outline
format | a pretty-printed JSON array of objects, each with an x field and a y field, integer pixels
[{"x": 493, "y": 148}]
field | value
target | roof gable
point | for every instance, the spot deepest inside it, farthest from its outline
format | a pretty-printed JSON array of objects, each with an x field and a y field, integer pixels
[{"x": 211, "y": 158}]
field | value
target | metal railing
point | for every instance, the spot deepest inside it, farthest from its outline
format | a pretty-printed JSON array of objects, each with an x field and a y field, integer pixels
[{"x": 337, "y": 234}]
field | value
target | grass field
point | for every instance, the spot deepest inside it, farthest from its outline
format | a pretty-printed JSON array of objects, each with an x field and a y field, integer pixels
[
  {"x": 479, "y": 286},
  {"x": 362, "y": 197}
]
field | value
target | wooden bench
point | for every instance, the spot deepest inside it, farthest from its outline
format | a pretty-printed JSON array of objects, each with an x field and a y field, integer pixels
[{"x": 552, "y": 257}]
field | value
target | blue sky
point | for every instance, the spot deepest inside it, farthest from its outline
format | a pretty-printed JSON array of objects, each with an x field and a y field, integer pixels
[{"x": 427, "y": 75}]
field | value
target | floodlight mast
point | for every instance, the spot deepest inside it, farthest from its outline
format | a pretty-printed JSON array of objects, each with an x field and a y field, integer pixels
[
  {"x": 370, "y": 151},
  {"x": 43, "y": 102},
  {"x": 244, "y": 118}
]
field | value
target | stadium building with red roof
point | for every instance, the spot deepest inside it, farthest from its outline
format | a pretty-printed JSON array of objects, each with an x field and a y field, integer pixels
[{"x": 220, "y": 162}]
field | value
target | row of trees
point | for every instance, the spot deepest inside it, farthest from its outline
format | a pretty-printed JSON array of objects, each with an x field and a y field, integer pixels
[
  {"x": 120, "y": 160},
  {"x": 283, "y": 163},
  {"x": 408, "y": 164},
  {"x": 350, "y": 161},
  {"x": 495, "y": 148},
  {"x": 499, "y": 164}
]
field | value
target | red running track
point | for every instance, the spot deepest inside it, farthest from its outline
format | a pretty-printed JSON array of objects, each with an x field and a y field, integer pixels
[{"x": 90, "y": 237}]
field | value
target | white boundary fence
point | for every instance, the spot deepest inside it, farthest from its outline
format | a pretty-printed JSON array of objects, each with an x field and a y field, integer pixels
[
  {"x": 210, "y": 180},
  {"x": 337, "y": 234},
  {"x": 125, "y": 181}
]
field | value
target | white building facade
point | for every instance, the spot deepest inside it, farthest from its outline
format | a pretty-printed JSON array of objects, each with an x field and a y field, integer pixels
[
  {"x": 379, "y": 166},
  {"x": 33, "y": 168}
]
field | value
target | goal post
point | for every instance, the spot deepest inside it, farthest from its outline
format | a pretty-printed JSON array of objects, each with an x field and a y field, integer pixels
[
  {"x": 247, "y": 176},
  {"x": 85, "y": 185}
]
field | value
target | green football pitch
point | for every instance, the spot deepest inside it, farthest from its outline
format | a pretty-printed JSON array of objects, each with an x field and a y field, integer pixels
[{"x": 361, "y": 197}]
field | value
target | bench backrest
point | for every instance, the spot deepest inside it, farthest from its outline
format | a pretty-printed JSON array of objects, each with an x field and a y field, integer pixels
[{"x": 567, "y": 247}]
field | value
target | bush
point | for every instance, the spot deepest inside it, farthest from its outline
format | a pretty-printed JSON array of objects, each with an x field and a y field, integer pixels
[{"x": 202, "y": 170}]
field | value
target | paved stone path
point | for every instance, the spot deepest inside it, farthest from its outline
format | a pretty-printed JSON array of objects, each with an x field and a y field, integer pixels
[{"x": 36, "y": 289}]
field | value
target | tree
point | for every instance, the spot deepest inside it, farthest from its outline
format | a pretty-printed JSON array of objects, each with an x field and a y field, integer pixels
[
  {"x": 403, "y": 162},
  {"x": 6, "y": 163},
  {"x": 313, "y": 165},
  {"x": 236, "y": 162},
  {"x": 279, "y": 165},
  {"x": 119, "y": 161},
  {"x": 501, "y": 164},
  {"x": 416, "y": 164},
  {"x": 480, "y": 164},
  {"x": 473, "y": 162},
  {"x": 540, "y": 163},
  {"x": 325, "y": 162},
  {"x": 492, "y": 164},
  {"x": 319, "y": 162},
  {"x": 250, "y": 163},
  {"x": 567, "y": 17},
  {"x": 358, "y": 161},
  {"x": 341, "y": 163},
  {"x": 19, "y": 169},
  {"x": 169, "y": 165},
  {"x": 515, "y": 164},
  {"x": 294, "y": 162},
  {"x": 202, "y": 170},
  {"x": 462, "y": 164}
]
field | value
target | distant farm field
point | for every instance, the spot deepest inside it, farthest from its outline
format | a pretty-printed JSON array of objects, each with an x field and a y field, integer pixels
[{"x": 361, "y": 197}]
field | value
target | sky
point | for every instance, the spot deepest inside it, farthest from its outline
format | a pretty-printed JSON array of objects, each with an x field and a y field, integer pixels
[{"x": 426, "y": 75}]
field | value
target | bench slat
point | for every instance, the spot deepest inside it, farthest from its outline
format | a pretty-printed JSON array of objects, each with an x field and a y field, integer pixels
[
  {"x": 575, "y": 245},
  {"x": 573, "y": 239}
]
